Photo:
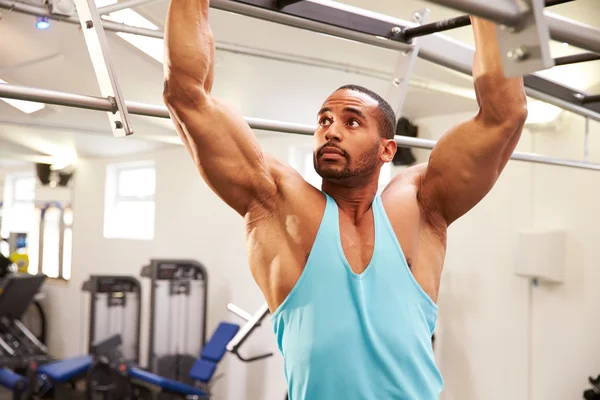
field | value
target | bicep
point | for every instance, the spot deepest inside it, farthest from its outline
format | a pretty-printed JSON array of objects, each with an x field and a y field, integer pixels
[
  {"x": 464, "y": 166},
  {"x": 225, "y": 151}
]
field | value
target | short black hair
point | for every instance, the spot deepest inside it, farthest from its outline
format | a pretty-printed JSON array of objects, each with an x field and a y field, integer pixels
[{"x": 387, "y": 116}]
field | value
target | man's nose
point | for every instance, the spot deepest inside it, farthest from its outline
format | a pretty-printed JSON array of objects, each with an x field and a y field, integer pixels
[{"x": 333, "y": 133}]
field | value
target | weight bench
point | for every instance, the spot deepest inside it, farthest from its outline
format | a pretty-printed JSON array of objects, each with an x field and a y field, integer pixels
[
  {"x": 14, "y": 382},
  {"x": 60, "y": 374},
  {"x": 57, "y": 375},
  {"x": 202, "y": 371}
]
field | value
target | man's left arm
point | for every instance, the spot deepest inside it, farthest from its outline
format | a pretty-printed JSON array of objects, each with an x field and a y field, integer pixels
[{"x": 467, "y": 161}]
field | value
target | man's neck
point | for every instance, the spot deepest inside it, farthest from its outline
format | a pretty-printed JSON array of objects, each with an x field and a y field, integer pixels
[{"x": 354, "y": 200}]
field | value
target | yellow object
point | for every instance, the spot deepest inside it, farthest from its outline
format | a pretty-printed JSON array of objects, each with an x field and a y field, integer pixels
[{"x": 21, "y": 260}]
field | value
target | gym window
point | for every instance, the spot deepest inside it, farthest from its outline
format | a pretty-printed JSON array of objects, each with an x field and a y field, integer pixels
[
  {"x": 18, "y": 205},
  {"x": 48, "y": 227},
  {"x": 301, "y": 159},
  {"x": 129, "y": 201},
  {"x": 54, "y": 245}
]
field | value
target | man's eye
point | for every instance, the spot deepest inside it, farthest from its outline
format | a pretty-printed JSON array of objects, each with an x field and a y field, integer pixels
[
  {"x": 325, "y": 121},
  {"x": 353, "y": 123}
]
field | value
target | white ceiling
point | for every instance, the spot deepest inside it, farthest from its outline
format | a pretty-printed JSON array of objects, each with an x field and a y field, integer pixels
[{"x": 257, "y": 87}]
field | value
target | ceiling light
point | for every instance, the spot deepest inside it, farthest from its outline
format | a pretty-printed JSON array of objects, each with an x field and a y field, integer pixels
[{"x": 42, "y": 23}]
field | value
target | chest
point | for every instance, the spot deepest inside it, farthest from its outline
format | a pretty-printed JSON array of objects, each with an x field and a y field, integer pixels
[{"x": 358, "y": 239}]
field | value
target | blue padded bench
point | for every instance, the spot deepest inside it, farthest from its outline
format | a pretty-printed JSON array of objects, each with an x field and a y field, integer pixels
[
  {"x": 213, "y": 352},
  {"x": 66, "y": 370},
  {"x": 203, "y": 369},
  {"x": 13, "y": 382},
  {"x": 167, "y": 385}
]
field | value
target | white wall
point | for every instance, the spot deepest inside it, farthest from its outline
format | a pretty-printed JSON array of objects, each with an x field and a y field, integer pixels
[{"x": 566, "y": 323}]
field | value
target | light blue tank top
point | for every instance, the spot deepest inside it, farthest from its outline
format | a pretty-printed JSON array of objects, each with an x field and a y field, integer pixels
[{"x": 347, "y": 336}]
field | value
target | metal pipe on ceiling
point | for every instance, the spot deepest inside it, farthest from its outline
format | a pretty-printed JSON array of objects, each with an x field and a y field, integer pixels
[{"x": 102, "y": 104}]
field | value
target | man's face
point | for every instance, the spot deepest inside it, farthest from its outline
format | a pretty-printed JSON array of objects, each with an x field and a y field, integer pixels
[{"x": 347, "y": 140}]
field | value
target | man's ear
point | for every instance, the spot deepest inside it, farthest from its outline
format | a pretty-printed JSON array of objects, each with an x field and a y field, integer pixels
[{"x": 389, "y": 150}]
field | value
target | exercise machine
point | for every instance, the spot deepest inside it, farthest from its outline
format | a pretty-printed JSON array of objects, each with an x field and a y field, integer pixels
[
  {"x": 28, "y": 370},
  {"x": 18, "y": 343},
  {"x": 177, "y": 316},
  {"x": 131, "y": 382},
  {"x": 200, "y": 374},
  {"x": 253, "y": 321},
  {"x": 115, "y": 309}
]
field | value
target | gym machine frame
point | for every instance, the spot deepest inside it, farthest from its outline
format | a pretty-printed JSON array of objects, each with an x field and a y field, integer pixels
[
  {"x": 336, "y": 19},
  {"x": 102, "y": 287},
  {"x": 177, "y": 286}
]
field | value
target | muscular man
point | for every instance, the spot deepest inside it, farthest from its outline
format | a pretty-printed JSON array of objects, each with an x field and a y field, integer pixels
[{"x": 351, "y": 277}]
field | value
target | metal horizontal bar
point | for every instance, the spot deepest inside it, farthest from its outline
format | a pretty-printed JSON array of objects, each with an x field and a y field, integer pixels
[
  {"x": 380, "y": 35},
  {"x": 436, "y": 27},
  {"x": 576, "y": 58},
  {"x": 517, "y": 156},
  {"x": 552, "y": 3},
  {"x": 437, "y": 48},
  {"x": 285, "y": 3},
  {"x": 591, "y": 99},
  {"x": 504, "y": 12},
  {"x": 122, "y": 5},
  {"x": 38, "y": 11},
  {"x": 453, "y": 23},
  {"x": 101, "y": 104},
  {"x": 575, "y": 33}
]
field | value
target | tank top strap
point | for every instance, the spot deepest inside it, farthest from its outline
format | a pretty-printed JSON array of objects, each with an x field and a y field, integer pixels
[{"x": 331, "y": 216}]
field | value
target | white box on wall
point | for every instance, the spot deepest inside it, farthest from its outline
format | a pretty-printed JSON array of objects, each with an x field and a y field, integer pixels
[{"x": 541, "y": 255}]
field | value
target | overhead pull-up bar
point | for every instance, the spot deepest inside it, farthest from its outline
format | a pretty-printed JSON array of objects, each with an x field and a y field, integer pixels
[
  {"x": 576, "y": 58},
  {"x": 453, "y": 23},
  {"x": 102, "y": 104},
  {"x": 438, "y": 49}
]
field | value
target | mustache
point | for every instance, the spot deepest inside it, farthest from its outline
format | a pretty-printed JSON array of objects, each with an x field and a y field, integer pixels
[{"x": 332, "y": 146}]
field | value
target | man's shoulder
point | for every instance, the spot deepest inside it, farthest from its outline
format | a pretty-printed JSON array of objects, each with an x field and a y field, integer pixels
[
  {"x": 292, "y": 188},
  {"x": 407, "y": 179}
]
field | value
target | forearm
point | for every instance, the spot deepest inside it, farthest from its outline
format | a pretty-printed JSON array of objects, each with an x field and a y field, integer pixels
[
  {"x": 501, "y": 100},
  {"x": 189, "y": 50}
]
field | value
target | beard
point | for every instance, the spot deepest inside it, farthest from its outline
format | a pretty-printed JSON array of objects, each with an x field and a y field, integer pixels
[{"x": 364, "y": 165}]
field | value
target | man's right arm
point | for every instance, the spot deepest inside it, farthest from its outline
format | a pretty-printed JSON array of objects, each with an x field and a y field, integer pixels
[{"x": 219, "y": 140}]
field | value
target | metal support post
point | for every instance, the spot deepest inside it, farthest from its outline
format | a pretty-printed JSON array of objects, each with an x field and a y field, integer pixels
[
  {"x": 97, "y": 45},
  {"x": 404, "y": 68},
  {"x": 526, "y": 50}
]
